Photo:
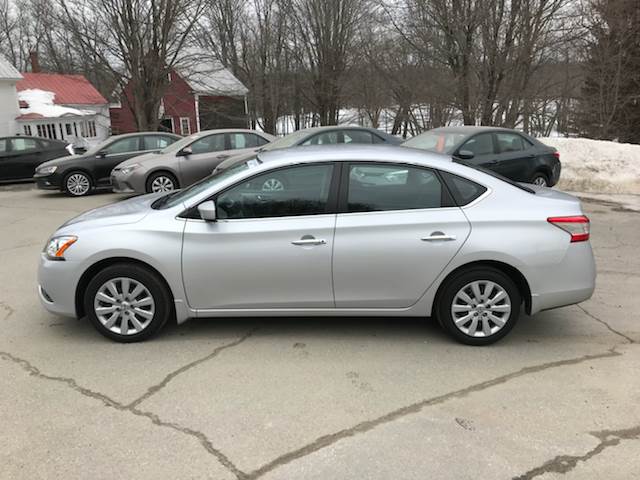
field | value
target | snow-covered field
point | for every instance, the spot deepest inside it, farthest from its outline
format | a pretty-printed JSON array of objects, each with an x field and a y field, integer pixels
[{"x": 597, "y": 166}]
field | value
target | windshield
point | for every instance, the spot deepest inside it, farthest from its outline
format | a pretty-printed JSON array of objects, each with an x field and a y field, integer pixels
[
  {"x": 439, "y": 141},
  {"x": 177, "y": 197},
  {"x": 180, "y": 144},
  {"x": 287, "y": 141}
]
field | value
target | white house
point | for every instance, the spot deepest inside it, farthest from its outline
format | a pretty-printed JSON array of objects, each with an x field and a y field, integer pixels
[
  {"x": 9, "y": 76},
  {"x": 65, "y": 107}
]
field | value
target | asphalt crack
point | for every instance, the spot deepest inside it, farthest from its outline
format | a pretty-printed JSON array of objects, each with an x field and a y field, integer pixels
[
  {"x": 565, "y": 463},
  {"x": 367, "y": 425},
  {"x": 8, "y": 309},
  {"x": 109, "y": 402},
  {"x": 609, "y": 327},
  {"x": 159, "y": 386}
]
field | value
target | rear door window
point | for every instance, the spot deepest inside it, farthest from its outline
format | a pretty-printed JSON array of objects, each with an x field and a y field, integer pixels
[
  {"x": 126, "y": 145},
  {"x": 376, "y": 187},
  {"x": 245, "y": 140},
  {"x": 358, "y": 136},
  {"x": 22, "y": 145},
  {"x": 481, "y": 144},
  {"x": 511, "y": 142}
]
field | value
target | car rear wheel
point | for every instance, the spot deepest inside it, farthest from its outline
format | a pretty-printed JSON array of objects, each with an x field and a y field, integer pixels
[
  {"x": 161, "y": 182},
  {"x": 540, "y": 179},
  {"x": 479, "y": 306},
  {"x": 77, "y": 184},
  {"x": 127, "y": 303}
]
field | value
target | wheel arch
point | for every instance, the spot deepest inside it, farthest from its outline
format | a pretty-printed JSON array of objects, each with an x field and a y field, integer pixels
[
  {"x": 510, "y": 271},
  {"x": 88, "y": 274}
]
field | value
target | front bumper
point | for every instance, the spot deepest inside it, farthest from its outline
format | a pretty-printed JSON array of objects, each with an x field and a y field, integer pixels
[
  {"x": 121, "y": 183},
  {"x": 47, "y": 182},
  {"x": 57, "y": 281}
]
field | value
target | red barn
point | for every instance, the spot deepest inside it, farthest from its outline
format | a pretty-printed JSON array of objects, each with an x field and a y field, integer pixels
[{"x": 197, "y": 98}]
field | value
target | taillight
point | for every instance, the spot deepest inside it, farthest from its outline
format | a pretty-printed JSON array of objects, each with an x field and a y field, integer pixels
[
  {"x": 556, "y": 154},
  {"x": 577, "y": 226}
]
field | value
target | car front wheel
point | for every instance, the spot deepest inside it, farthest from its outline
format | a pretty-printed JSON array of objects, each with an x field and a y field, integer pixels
[
  {"x": 161, "y": 182},
  {"x": 127, "y": 303},
  {"x": 479, "y": 306},
  {"x": 77, "y": 184}
]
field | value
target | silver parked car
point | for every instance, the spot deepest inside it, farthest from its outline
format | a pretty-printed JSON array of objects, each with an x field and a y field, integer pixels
[
  {"x": 184, "y": 162},
  {"x": 363, "y": 231}
]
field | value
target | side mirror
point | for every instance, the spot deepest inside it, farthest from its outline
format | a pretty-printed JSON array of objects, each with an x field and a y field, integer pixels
[
  {"x": 465, "y": 154},
  {"x": 101, "y": 154},
  {"x": 207, "y": 211},
  {"x": 185, "y": 152}
]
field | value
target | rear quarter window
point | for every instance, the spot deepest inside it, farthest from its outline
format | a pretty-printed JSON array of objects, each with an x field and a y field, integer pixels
[{"x": 464, "y": 191}]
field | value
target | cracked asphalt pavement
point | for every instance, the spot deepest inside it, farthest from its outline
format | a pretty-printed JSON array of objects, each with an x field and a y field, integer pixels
[{"x": 314, "y": 398}]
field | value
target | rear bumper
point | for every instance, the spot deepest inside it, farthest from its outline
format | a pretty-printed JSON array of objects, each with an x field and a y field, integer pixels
[{"x": 570, "y": 281}]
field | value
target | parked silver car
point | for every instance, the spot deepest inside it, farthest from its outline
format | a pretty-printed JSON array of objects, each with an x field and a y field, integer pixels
[
  {"x": 184, "y": 162},
  {"x": 365, "y": 231}
]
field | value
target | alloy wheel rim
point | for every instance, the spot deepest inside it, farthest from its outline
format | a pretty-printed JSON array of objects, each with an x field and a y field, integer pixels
[
  {"x": 272, "y": 185},
  {"x": 481, "y": 308},
  {"x": 162, "y": 184},
  {"x": 124, "y": 306},
  {"x": 78, "y": 184},
  {"x": 540, "y": 181}
]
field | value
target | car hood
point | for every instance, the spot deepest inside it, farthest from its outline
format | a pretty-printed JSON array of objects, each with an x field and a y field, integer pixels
[
  {"x": 62, "y": 160},
  {"x": 146, "y": 159},
  {"x": 131, "y": 210}
]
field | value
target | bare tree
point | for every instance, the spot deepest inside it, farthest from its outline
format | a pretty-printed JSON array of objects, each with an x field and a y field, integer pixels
[{"x": 138, "y": 41}]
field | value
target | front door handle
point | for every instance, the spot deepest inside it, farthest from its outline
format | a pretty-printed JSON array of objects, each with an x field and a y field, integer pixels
[
  {"x": 438, "y": 236},
  {"x": 309, "y": 241}
]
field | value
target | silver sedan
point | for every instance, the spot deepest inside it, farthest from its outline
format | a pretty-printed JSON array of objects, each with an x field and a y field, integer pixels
[{"x": 362, "y": 231}]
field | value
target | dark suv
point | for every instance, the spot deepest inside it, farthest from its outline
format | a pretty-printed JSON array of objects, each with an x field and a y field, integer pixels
[
  {"x": 19, "y": 156},
  {"x": 510, "y": 153},
  {"x": 79, "y": 174}
]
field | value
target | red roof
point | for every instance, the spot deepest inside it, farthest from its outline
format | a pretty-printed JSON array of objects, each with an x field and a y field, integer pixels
[{"x": 68, "y": 89}]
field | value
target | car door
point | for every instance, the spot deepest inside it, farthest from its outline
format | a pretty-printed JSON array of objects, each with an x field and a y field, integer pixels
[
  {"x": 206, "y": 153},
  {"x": 482, "y": 146},
  {"x": 7, "y": 167},
  {"x": 515, "y": 156},
  {"x": 24, "y": 155},
  {"x": 267, "y": 249},
  {"x": 396, "y": 231},
  {"x": 115, "y": 153}
]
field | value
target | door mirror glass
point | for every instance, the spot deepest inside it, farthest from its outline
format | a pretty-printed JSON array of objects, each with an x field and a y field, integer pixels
[
  {"x": 465, "y": 154},
  {"x": 185, "y": 152},
  {"x": 207, "y": 211}
]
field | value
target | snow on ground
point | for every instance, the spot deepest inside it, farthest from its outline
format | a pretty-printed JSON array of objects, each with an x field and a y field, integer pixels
[{"x": 597, "y": 166}]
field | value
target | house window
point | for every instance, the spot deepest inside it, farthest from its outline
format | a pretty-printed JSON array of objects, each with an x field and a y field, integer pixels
[
  {"x": 27, "y": 130},
  {"x": 91, "y": 128},
  {"x": 185, "y": 126},
  {"x": 83, "y": 129},
  {"x": 68, "y": 129},
  {"x": 40, "y": 130}
]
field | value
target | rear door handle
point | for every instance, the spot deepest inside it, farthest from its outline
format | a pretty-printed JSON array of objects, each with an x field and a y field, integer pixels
[
  {"x": 438, "y": 237},
  {"x": 309, "y": 241}
]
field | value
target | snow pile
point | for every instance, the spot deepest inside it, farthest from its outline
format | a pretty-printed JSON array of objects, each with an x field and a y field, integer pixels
[
  {"x": 597, "y": 166},
  {"x": 41, "y": 103}
]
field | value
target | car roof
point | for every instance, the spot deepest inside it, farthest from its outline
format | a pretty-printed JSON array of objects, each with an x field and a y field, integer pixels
[
  {"x": 353, "y": 152},
  {"x": 54, "y": 140},
  {"x": 228, "y": 130},
  {"x": 469, "y": 129},
  {"x": 136, "y": 134}
]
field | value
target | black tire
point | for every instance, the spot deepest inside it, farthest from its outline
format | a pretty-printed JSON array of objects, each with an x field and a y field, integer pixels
[
  {"x": 170, "y": 177},
  {"x": 463, "y": 278},
  {"x": 159, "y": 292},
  {"x": 73, "y": 180},
  {"x": 540, "y": 177}
]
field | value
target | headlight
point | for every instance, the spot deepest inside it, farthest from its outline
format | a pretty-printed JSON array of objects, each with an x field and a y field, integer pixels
[
  {"x": 56, "y": 246},
  {"x": 47, "y": 170},
  {"x": 129, "y": 168}
]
